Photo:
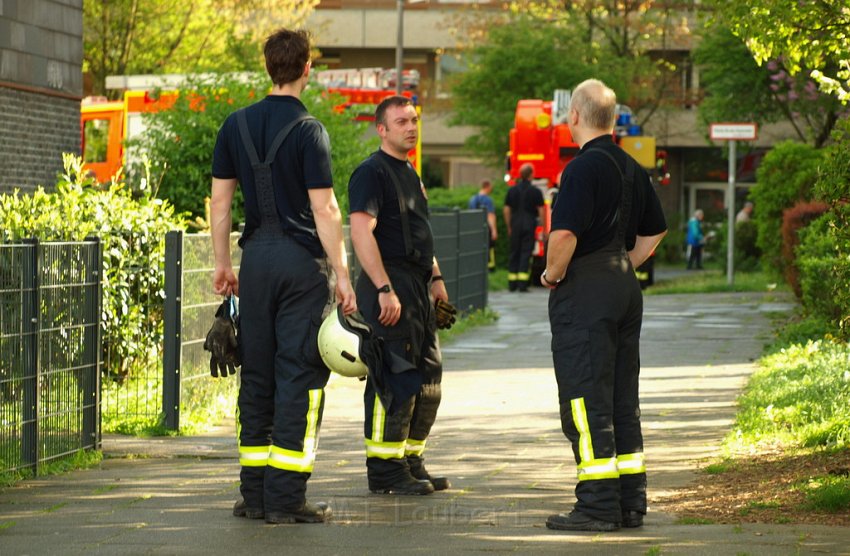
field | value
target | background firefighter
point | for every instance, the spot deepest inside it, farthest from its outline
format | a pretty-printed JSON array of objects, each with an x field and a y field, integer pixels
[{"x": 523, "y": 209}]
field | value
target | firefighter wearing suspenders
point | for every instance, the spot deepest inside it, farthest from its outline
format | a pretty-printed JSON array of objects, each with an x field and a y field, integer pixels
[
  {"x": 293, "y": 261},
  {"x": 523, "y": 207},
  {"x": 392, "y": 237},
  {"x": 606, "y": 221}
]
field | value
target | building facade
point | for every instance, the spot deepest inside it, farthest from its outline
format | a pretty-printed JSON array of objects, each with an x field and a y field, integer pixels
[
  {"x": 361, "y": 34},
  {"x": 41, "y": 85}
]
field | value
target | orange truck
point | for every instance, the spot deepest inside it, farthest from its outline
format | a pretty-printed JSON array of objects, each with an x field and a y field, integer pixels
[
  {"x": 106, "y": 125},
  {"x": 540, "y": 136}
]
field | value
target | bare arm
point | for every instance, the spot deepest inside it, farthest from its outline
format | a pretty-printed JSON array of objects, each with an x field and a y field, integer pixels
[
  {"x": 362, "y": 228},
  {"x": 562, "y": 246},
  {"x": 221, "y": 221},
  {"x": 644, "y": 246},
  {"x": 438, "y": 287},
  {"x": 506, "y": 213},
  {"x": 329, "y": 227},
  {"x": 491, "y": 222}
]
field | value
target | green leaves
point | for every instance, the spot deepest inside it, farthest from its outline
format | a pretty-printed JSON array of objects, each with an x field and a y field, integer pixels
[
  {"x": 180, "y": 141},
  {"x": 132, "y": 229},
  {"x": 806, "y": 35}
]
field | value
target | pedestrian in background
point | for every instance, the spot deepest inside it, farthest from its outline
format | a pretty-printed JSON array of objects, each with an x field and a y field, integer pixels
[
  {"x": 606, "y": 221},
  {"x": 696, "y": 240},
  {"x": 483, "y": 200},
  {"x": 293, "y": 259},
  {"x": 745, "y": 213},
  {"x": 523, "y": 210},
  {"x": 393, "y": 241}
]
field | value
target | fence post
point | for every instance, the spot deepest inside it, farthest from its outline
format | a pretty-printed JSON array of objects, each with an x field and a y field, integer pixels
[
  {"x": 172, "y": 343},
  {"x": 31, "y": 349},
  {"x": 93, "y": 347}
]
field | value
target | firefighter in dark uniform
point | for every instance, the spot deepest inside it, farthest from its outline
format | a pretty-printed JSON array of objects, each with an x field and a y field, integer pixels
[
  {"x": 523, "y": 206},
  {"x": 606, "y": 221},
  {"x": 293, "y": 261},
  {"x": 392, "y": 237}
]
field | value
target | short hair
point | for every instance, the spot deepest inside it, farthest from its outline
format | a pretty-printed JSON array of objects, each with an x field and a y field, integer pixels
[
  {"x": 526, "y": 170},
  {"x": 596, "y": 103},
  {"x": 381, "y": 110},
  {"x": 287, "y": 53},
  {"x": 486, "y": 183}
]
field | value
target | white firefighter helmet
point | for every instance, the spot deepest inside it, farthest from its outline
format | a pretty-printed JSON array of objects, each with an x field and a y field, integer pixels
[{"x": 339, "y": 343}]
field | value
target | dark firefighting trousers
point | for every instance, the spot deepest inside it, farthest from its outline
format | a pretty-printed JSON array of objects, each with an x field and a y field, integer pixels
[
  {"x": 522, "y": 245},
  {"x": 595, "y": 315},
  {"x": 391, "y": 438},
  {"x": 284, "y": 293}
]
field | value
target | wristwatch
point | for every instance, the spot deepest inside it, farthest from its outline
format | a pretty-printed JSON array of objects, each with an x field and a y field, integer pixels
[
  {"x": 385, "y": 289},
  {"x": 551, "y": 283}
]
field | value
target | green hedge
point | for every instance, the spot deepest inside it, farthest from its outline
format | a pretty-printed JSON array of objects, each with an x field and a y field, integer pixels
[
  {"x": 132, "y": 226},
  {"x": 823, "y": 255},
  {"x": 786, "y": 175}
]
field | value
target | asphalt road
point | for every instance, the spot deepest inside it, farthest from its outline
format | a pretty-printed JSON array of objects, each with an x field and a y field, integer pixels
[{"x": 497, "y": 437}]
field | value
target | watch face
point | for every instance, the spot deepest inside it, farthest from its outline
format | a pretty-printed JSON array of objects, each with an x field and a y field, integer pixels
[{"x": 384, "y": 289}]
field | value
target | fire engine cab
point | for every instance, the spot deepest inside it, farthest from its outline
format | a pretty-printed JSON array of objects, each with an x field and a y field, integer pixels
[{"x": 541, "y": 136}]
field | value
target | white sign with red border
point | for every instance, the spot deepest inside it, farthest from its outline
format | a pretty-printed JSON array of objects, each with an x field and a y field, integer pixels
[{"x": 733, "y": 131}]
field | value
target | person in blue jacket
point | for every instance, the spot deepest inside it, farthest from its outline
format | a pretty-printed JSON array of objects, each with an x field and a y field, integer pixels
[{"x": 696, "y": 240}]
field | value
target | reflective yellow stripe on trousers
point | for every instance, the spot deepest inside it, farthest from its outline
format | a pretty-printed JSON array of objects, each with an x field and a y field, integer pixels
[
  {"x": 302, "y": 462},
  {"x": 631, "y": 464},
  {"x": 590, "y": 469},
  {"x": 414, "y": 447},
  {"x": 250, "y": 456},
  {"x": 376, "y": 447}
]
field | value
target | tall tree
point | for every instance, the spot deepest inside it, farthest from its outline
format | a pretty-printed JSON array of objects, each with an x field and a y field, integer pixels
[
  {"x": 537, "y": 46},
  {"x": 161, "y": 36},
  {"x": 810, "y": 36},
  {"x": 738, "y": 89}
]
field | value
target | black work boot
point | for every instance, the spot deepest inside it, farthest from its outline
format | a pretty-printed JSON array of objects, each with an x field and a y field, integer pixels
[
  {"x": 404, "y": 486},
  {"x": 241, "y": 509},
  {"x": 632, "y": 518},
  {"x": 307, "y": 513},
  {"x": 512, "y": 285},
  {"x": 417, "y": 469},
  {"x": 577, "y": 521}
]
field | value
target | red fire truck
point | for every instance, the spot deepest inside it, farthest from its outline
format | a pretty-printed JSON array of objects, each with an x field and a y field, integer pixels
[
  {"x": 541, "y": 137},
  {"x": 105, "y": 125}
]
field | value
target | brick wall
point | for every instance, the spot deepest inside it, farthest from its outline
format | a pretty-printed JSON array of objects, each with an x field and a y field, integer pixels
[
  {"x": 41, "y": 84},
  {"x": 37, "y": 129}
]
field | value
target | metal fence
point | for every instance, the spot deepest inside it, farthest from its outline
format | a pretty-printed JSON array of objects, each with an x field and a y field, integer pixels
[
  {"x": 189, "y": 306},
  {"x": 50, "y": 348},
  {"x": 53, "y": 348},
  {"x": 461, "y": 242}
]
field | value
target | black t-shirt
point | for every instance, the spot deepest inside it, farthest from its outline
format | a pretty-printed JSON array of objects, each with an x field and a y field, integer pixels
[
  {"x": 303, "y": 162},
  {"x": 371, "y": 190},
  {"x": 524, "y": 200},
  {"x": 589, "y": 199}
]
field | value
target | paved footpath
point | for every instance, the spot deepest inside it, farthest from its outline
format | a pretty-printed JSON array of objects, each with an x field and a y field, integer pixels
[{"x": 497, "y": 436}]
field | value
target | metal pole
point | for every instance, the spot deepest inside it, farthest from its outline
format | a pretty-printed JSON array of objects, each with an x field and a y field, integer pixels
[
  {"x": 399, "y": 46},
  {"x": 730, "y": 211}
]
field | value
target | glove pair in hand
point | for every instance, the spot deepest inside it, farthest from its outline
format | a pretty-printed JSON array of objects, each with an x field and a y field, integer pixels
[
  {"x": 445, "y": 313},
  {"x": 222, "y": 341}
]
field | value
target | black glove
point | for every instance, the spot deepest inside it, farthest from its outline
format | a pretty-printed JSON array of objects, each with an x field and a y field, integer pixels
[
  {"x": 445, "y": 314},
  {"x": 222, "y": 342}
]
